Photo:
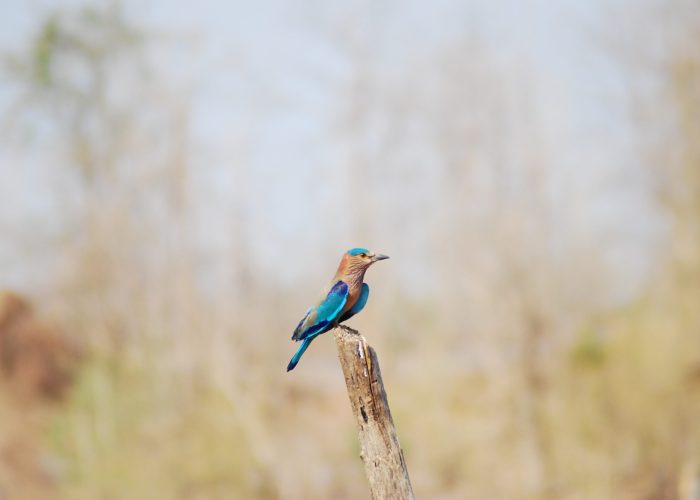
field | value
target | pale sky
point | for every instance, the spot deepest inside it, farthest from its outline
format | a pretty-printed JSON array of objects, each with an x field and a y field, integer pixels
[{"x": 266, "y": 85}]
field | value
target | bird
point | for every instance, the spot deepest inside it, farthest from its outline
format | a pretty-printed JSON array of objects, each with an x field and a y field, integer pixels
[{"x": 346, "y": 296}]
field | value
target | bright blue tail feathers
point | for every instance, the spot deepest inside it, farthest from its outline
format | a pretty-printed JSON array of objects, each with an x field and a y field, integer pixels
[{"x": 300, "y": 352}]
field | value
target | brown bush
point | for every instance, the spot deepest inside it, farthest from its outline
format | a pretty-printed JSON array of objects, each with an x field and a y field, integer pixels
[{"x": 36, "y": 360}]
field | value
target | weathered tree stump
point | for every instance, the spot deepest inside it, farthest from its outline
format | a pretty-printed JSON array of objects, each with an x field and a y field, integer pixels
[{"x": 379, "y": 444}]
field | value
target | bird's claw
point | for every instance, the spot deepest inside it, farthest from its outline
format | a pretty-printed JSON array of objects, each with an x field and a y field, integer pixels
[{"x": 348, "y": 329}]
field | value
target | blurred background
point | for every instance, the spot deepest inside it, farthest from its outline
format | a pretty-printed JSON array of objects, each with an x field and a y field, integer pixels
[{"x": 178, "y": 182}]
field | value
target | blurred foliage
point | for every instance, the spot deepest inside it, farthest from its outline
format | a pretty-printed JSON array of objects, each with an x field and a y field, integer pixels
[
  {"x": 120, "y": 436},
  {"x": 589, "y": 350},
  {"x": 513, "y": 381}
]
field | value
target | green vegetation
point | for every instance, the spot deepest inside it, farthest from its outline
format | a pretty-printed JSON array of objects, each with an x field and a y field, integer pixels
[{"x": 517, "y": 375}]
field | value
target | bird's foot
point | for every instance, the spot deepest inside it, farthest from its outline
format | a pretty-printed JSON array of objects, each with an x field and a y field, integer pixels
[{"x": 348, "y": 329}]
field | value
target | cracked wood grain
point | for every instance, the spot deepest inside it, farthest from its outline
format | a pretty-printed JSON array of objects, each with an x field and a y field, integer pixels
[{"x": 379, "y": 444}]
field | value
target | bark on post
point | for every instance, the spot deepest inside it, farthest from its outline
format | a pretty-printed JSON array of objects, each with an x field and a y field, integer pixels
[{"x": 379, "y": 444}]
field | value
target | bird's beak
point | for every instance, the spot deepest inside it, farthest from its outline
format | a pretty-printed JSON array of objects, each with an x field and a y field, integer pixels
[{"x": 379, "y": 256}]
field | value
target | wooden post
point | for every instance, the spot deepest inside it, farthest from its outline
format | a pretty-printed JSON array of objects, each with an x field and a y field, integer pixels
[{"x": 379, "y": 444}]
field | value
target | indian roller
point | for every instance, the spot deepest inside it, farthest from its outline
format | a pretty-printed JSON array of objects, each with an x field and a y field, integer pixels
[{"x": 346, "y": 296}]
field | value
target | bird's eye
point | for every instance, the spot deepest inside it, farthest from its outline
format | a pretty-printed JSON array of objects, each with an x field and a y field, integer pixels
[{"x": 363, "y": 255}]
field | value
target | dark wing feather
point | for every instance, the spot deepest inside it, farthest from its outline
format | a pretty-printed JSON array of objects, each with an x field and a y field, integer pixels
[{"x": 359, "y": 305}]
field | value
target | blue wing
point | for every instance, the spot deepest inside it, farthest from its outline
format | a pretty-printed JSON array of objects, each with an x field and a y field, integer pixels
[
  {"x": 359, "y": 305},
  {"x": 318, "y": 319}
]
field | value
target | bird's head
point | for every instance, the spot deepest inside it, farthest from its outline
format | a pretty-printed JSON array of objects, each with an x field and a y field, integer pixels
[{"x": 361, "y": 258}]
